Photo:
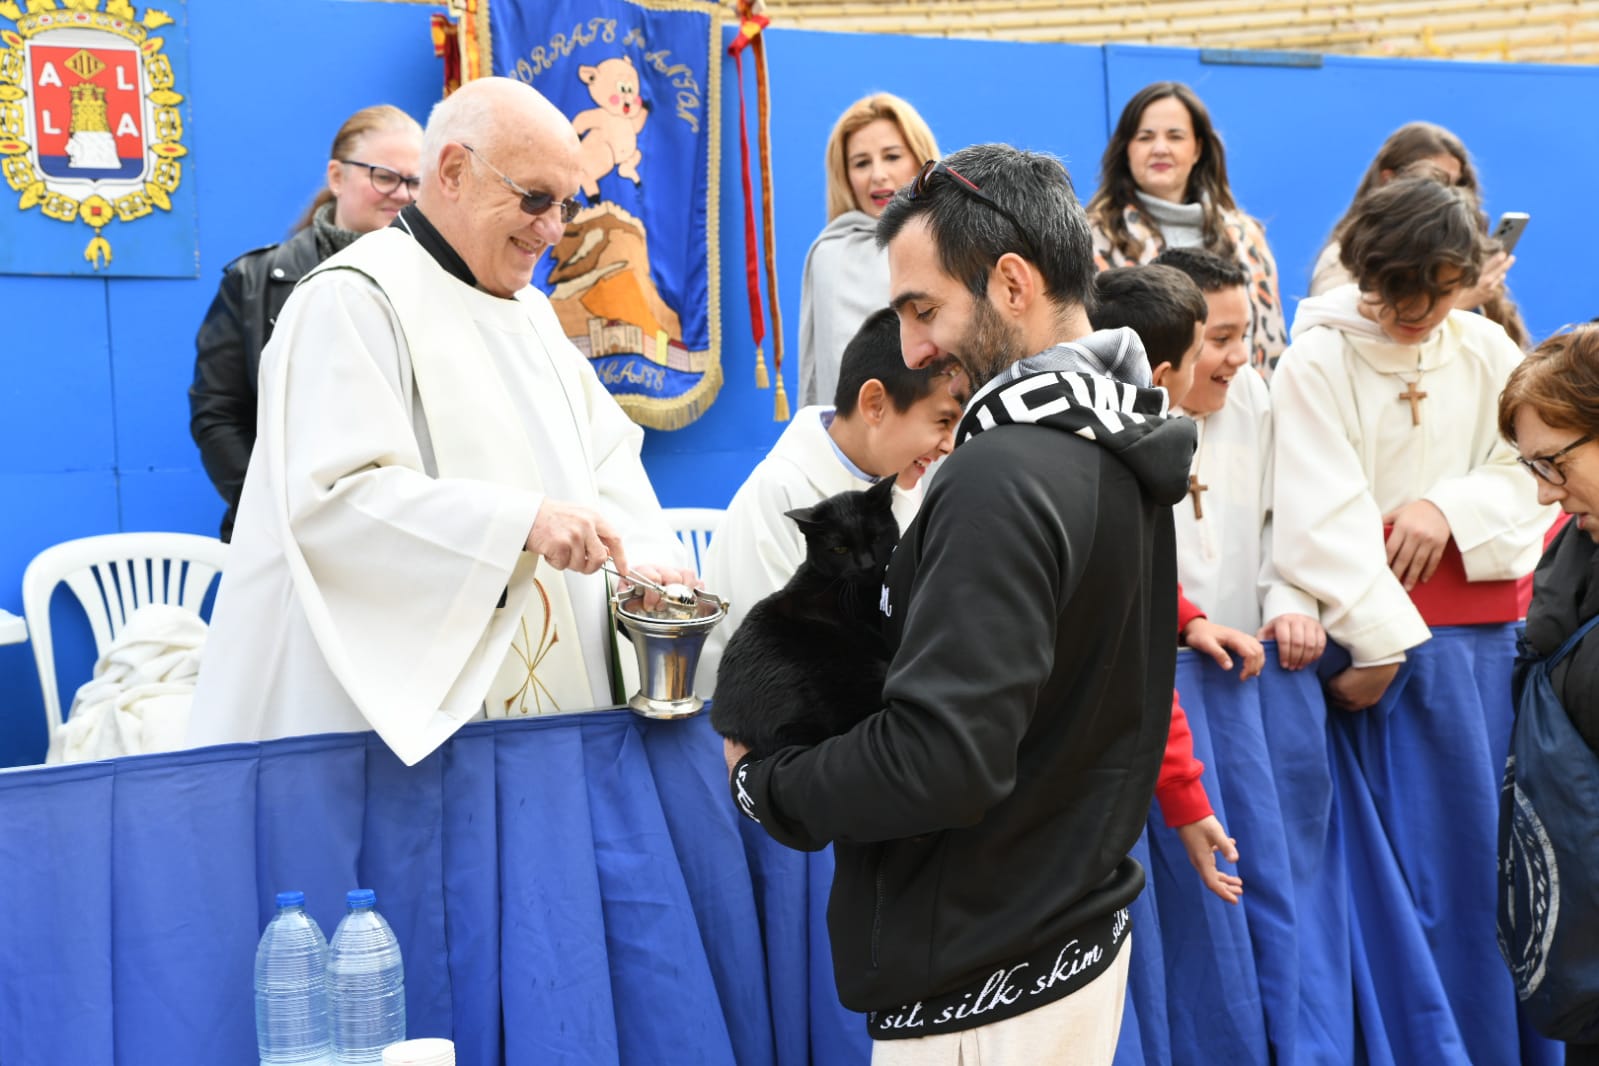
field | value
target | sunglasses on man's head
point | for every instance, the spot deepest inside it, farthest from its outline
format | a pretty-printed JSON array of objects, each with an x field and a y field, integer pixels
[
  {"x": 934, "y": 168},
  {"x": 533, "y": 203}
]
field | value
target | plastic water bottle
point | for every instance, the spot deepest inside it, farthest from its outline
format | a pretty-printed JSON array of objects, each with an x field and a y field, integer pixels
[
  {"x": 366, "y": 983},
  {"x": 291, "y": 1001}
]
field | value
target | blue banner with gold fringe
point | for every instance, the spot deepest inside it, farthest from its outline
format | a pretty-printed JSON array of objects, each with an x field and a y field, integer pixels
[
  {"x": 635, "y": 279},
  {"x": 91, "y": 139}
]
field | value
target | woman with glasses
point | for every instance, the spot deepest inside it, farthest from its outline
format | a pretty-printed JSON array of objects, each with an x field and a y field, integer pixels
[
  {"x": 876, "y": 147},
  {"x": 1550, "y": 411},
  {"x": 1428, "y": 150},
  {"x": 1163, "y": 184},
  {"x": 371, "y": 174}
]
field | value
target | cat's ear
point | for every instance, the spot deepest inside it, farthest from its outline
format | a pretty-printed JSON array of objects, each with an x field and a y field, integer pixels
[
  {"x": 882, "y": 493},
  {"x": 805, "y": 518}
]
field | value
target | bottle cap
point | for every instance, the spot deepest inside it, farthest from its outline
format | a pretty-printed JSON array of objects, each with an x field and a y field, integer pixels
[
  {"x": 430, "y": 1051},
  {"x": 294, "y": 898},
  {"x": 361, "y": 897}
]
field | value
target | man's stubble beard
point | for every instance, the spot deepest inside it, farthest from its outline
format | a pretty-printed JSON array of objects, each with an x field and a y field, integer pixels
[{"x": 990, "y": 344}]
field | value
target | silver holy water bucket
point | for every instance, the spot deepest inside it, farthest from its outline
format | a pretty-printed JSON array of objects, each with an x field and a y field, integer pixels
[{"x": 668, "y": 641}]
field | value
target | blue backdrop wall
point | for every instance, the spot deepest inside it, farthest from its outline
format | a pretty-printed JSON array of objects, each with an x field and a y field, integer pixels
[{"x": 93, "y": 409}]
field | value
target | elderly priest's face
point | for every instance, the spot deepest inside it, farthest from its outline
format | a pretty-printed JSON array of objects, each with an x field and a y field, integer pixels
[
  {"x": 503, "y": 241},
  {"x": 506, "y": 162}
]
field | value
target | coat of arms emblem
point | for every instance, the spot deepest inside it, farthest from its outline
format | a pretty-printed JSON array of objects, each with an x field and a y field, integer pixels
[{"x": 90, "y": 129}]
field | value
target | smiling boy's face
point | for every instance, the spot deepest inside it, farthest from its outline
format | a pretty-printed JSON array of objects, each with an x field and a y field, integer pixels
[
  {"x": 910, "y": 441},
  {"x": 1225, "y": 351}
]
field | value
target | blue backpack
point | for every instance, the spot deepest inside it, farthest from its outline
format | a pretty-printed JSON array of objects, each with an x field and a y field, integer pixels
[{"x": 1548, "y": 919}]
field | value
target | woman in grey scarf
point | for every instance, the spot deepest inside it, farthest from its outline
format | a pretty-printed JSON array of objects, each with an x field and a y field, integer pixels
[{"x": 876, "y": 147}]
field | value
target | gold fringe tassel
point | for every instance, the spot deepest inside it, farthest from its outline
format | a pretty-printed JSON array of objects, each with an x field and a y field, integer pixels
[
  {"x": 780, "y": 404},
  {"x": 761, "y": 380}
]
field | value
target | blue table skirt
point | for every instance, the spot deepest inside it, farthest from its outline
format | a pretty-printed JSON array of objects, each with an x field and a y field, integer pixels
[{"x": 580, "y": 890}]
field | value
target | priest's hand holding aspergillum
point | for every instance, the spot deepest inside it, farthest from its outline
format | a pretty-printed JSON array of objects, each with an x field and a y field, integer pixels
[{"x": 570, "y": 537}]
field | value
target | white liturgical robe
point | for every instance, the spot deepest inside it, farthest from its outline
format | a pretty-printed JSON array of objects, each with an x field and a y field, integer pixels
[
  {"x": 368, "y": 588},
  {"x": 757, "y": 548},
  {"x": 1224, "y": 544},
  {"x": 1350, "y": 450}
]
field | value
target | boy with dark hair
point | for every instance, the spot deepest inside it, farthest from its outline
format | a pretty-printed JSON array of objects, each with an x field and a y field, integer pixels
[
  {"x": 1165, "y": 309},
  {"x": 1400, "y": 508},
  {"x": 982, "y": 820},
  {"x": 887, "y": 420},
  {"x": 1168, "y": 312},
  {"x": 1224, "y": 528}
]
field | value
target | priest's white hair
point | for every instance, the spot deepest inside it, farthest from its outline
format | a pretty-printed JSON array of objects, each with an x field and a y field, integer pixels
[{"x": 462, "y": 117}]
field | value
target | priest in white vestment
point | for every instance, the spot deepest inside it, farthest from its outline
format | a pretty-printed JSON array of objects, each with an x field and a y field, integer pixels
[
  {"x": 439, "y": 474},
  {"x": 1355, "y": 444}
]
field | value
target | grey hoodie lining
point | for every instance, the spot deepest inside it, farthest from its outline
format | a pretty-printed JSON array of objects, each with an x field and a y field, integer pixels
[{"x": 1113, "y": 353}]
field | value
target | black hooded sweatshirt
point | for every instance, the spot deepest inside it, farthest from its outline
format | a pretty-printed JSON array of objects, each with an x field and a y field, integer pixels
[{"x": 982, "y": 820}]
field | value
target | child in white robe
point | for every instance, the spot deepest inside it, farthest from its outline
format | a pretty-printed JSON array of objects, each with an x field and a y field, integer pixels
[
  {"x": 1400, "y": 508},
  {"x": 1224, "y": 530},
  {"x": 1169, "y": 314},
  {"x": 1385, "y": 418},
  {"x": 886, "y": 421}
]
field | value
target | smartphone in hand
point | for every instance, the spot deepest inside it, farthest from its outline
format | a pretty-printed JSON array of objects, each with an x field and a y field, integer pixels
[{"x": 1509, "y": 230}]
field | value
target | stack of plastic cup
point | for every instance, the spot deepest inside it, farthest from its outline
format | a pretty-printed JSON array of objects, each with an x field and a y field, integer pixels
[{"x": 427, "y": 1052}]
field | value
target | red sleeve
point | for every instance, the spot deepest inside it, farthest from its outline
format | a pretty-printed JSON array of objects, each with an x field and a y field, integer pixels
[
  {"x": 1179, "y": 790},
  {"x": 1186, "y": 612}
]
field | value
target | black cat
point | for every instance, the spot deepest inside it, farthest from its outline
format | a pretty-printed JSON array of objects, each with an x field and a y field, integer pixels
[{"x": 807, "y": 662}]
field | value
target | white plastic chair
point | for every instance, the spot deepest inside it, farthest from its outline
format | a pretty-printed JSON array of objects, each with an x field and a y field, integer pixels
[
  {"x": 695, "y": 526},
  {"x": 113, "y": 576}
]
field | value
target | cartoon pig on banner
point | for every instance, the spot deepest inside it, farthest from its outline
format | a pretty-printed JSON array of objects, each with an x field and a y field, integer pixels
[{"x": 610, "y": 131}]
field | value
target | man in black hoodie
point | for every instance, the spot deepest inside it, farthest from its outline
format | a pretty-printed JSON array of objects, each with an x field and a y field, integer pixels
[{"x": 982, "y": 819}]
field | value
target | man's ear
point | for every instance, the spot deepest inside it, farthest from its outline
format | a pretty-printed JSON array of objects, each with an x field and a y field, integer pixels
[
  {"x": 871, "y": 403},
  {"x": 1159, "y": 375},
  {"x": 452, "y": 169},
  {"x": 1013, "y": 285}
]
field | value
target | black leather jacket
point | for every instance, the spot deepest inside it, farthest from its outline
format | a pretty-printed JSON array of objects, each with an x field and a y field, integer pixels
[
  {"x": 228, "y": 358},
  {"x": 1565, "y": 594}
]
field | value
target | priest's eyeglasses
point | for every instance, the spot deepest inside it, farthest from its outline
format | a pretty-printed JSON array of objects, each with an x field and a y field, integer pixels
[
  {"x": 387, "y": 181},
  {"x": 534, "y": 203},
  {"x": 933, "y": 168},
  {"x": 1548, "y": 466}
]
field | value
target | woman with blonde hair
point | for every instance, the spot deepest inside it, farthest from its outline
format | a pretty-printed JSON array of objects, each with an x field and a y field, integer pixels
[
  {"x": 1424, "y": 149},
  {"x": 1163, "y": 184},
  {"x": 876, "y": 147},
  {"x": 372, "y": 172}
]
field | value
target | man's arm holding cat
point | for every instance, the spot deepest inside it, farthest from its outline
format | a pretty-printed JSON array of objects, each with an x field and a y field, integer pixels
[{"x": 977, "y": 646}]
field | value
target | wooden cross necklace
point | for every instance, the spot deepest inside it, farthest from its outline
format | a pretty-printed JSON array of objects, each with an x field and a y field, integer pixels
[
  {"x": 1196, "y": 490},
  {"x": 1412, "y": 394}
]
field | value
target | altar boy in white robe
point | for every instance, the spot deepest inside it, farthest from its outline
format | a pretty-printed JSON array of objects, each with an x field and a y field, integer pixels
[
  {"x": 439, "y": 474},
  {"x": 1385, "y": 418},
  {"x": 1400, "y": 509},
  {"x": 1224, "y": 527},
  {"x": 886, "y": 420}
]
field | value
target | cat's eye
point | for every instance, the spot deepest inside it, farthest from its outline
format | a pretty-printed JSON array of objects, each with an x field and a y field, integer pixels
[{"x": 839, "y": 549}]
